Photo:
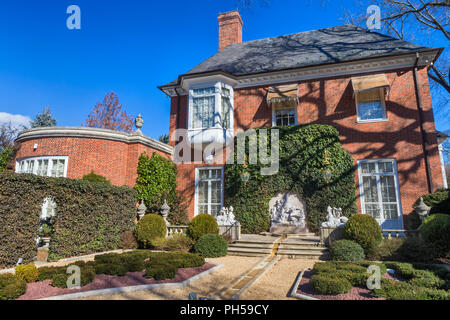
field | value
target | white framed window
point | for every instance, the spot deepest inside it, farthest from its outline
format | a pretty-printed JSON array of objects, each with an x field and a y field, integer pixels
[
  {"x": 47, "y": 166},
  {"x": 211, "y": 105},
  {"x": 284, "y": 117},
  {"x": 380, "y": 195},
  {"x": 370, "y": 105},
  {"x": 208, "y": 190}
]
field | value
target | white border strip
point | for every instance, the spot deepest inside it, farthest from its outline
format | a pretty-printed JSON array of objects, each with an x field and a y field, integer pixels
[
  {"x": 173, "y": 285},
  {"x": 294, "y": 289}
]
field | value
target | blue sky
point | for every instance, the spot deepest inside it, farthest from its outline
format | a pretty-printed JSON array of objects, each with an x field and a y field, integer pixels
[{"x": 129, "y": 47}]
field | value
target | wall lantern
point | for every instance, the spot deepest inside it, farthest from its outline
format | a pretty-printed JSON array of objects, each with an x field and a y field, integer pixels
[
  {"x": 245, "y": 176},
  {"x": 327, "y": 171}
]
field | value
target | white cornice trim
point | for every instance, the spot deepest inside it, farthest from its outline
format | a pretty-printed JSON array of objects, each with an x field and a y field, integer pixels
[
  {"x": 93, "y": 133},
  {"x": 326, "y": 71}
]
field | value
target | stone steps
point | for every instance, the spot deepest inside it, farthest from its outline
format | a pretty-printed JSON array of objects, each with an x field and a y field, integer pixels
[{"x": 251, "y": 245}]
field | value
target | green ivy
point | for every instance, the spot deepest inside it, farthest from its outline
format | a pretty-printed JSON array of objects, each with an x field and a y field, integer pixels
[
  {"x": 156, "y": 182},
  {"x": 90, "y": 217},
  {"x": 302, "y": 155},
  {"x": 6, "y": 156}
]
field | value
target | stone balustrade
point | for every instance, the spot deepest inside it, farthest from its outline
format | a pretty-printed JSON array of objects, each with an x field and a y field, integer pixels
[
  {"x": 171, "y": 230},
  {"x": 399, "y": 233}
]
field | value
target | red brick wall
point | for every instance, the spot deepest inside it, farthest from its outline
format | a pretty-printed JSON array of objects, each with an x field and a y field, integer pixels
[
  {"x": 115, "y": 160},
  {"x": 330, "y": 101}
]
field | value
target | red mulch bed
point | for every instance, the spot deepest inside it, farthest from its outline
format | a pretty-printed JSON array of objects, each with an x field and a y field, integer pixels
[
  {"x": 355, "y": 293},
  {"x": 43, "y": 289}
]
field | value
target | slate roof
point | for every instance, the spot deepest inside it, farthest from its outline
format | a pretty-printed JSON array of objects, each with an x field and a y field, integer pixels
[{"x": 324, "y": 46}]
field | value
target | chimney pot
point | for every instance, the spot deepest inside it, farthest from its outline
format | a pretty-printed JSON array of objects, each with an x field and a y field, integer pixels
[{"x": 230, "y": 28}]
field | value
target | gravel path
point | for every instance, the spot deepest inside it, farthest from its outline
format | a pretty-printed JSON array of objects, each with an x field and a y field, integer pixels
[
  {"x": 276, "y": 283},
  {"x": 205, "y": 287}
]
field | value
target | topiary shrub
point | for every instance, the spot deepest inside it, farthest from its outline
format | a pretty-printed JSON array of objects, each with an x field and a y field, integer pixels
[
  {"x": 176, "y": 242},
  {"x": 202, "y": 224},
  {"x": 436, "y": 232},
  {"x": 128, "y": 240},
  {"x": 92, "y": 177},
  {"x": 150, "y": 227},
  {"x": 329, "y": 284},
  {"x": 27, "y": 272},
  {"x": 11, "y": 286},
  {"x": 346, "y": 250},
  {"x": 157, "y": 181},
  {"x": 211, "y": 246},
  {"x": 301, "y": 157},
  {"x": 364, "y": 230}
]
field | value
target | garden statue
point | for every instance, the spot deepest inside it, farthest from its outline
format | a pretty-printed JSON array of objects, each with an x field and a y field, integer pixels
[
  {"x": 287, "y": 215},
  {"x": 225, "y": 217},
  {"x": 422, "y": 209},
  {"x": 165, "y": 209},
  {"x": 334, "y": 218},
  {"x": 141, "y": 209}
]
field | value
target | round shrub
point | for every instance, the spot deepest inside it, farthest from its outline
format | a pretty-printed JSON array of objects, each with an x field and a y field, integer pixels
[
  {"x": 329, "y": 284},
  {"x": 436, "y": 232},
  {"x": 27, "y": 272},
  {"x": 211, "y": 246},
  {"x": 346, "y": 250},
  {"x": 365, "y": 230},
  {"x": 202, "y": 224},
  {"x": 11, "y": 286},
  {"x": 150, "y": 227}
]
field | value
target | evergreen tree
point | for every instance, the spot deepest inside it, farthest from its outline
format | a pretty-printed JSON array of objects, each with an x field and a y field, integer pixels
[{"x": 43, "y": 119}]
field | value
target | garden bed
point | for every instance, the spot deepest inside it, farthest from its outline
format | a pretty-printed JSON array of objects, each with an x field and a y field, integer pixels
[
  {"x": 44, "y": 289},
  {"x": 356, "y": 293}
]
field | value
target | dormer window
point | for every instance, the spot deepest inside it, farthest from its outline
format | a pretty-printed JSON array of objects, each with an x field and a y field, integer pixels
[{"x": 211, "y": 106}]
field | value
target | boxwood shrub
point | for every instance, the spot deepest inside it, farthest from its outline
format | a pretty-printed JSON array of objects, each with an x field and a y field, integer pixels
[
  {"x": 150, "y": 227},
  {"x": 90, "y": 217},
  {"x": 364, "y": 230},
  {"x": 346, "y": 250},
  {"x": 27, "y": 272},
  {"x": 211, "y": 246},
  {"x": 436, "y": 232},
  {"x": 330, "y": 284},
  {"x": 202, "y": 224},
  {"x": 301, "y": 158}
]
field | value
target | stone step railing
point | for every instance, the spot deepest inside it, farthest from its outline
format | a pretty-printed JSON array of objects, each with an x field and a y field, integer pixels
[
  {"x": 171, "y": 230},
  {"x": 399, "y": 233}
]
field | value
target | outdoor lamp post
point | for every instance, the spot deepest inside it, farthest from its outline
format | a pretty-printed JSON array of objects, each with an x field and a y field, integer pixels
[
  {"x": 422, "y": 209},
  {"x": 245, "y": 176}
]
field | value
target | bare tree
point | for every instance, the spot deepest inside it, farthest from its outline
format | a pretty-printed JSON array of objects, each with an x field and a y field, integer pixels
[
  {"x": 108, "y": 115},
  {"x": 8, "y": 148},
  {"x": 424, "y": 22}
]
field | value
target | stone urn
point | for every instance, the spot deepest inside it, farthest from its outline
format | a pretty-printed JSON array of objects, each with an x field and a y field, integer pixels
[{"x": 46, "y": 241}]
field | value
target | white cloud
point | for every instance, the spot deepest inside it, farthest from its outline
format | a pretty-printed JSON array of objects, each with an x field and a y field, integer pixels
[{"x": 17, "y": 120}]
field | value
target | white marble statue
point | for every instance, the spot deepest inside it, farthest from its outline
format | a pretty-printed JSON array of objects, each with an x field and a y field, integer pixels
[
  {"x": 334, "y": 218},
  {"x": 287, "y": 215},
  {"x": 225, "y": 217}
]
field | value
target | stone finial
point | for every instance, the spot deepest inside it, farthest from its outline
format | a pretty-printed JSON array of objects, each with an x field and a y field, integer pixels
[
  {"x": 165, "y": 209},
  {"x": 422, "y": 209},
  {"x": 141, "y": 209},
  {"x": 138, "y": 122}
]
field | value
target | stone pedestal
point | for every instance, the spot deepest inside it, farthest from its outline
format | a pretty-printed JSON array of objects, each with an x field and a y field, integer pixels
[
  {"x": 287, "y": 213},
  {"x": 280, "y": 229},
  {"x": 42, "y": 254}
]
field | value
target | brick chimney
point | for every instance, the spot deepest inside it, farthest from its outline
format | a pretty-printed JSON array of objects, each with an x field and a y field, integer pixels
[{"x": 230, "y": 28}]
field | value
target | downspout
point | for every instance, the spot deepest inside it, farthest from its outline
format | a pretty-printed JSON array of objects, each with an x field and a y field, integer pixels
[
  {"x": 422, "y": 129},
  {"x": 178, "y": 109}
]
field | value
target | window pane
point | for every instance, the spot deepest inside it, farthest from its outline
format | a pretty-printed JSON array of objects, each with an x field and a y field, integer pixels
[
  {"x": 370, "y": 110},
  {"x": 216, "y": 173},
  {"x": 215, "y": 209},
  {"x": 390, "y": 211},
  {"x": 385, "y": 166},
  {"x": 203, "y": 208},
  {"x": 30, "y": 166},
  {"x": 60, "y": 169},
  {"x": 226, "y": 106},
  {"x": 215, "y": 192},
  {"x": 203, "y": 192},
  {"x": 285, "y": 117},
  {"x": 54, "y": 168},
  {"x": 368, "y": 167},
  {"x": 42, "y": 166},
  {"x": 203, "y": 174},
  {"x": 373, "y": 210},
  {"x": 388, "y": 189},
  {"x": 370, "y": 189}
]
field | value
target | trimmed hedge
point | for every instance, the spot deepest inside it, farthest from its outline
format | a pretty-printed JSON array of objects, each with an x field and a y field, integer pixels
[
  {"x": 364, "y": 230},
  {"x": 92, "y": 177},
  {"x": 211, "y": 246},
  {"x": 90, "y": 217},
  {"x": 436, "y": 232},
  {"x": 302, "y": 155},
  {"x": 202, "y": 224},
  {"x": 330, "y": 284},
  {"x": 346, "y": 250},
  {"x": 150, "y": 227},
  {"x": 11, "y": 286}
]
